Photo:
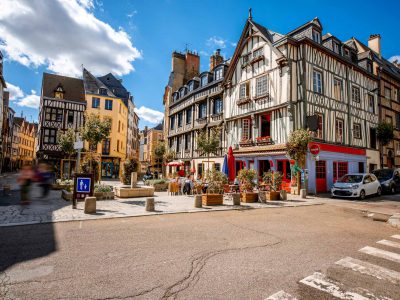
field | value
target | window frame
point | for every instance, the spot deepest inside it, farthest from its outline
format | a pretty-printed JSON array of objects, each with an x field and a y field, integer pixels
[
  {"x": 218, "y": 73},
  {"x": 262, "y": 88},
  {"x": 318, "y": 89},
  {"x": 218, "y": 109},
  {"x": 316, "y": 36},
  {"x": 339, "y": 138},
  {"x": 95, "y": 100},
  {"x": 353, "y": 94},
  {"x": 357, "y": 130},
  {"x": 246, "y": 90},
  {"x": 201, "y": 106},
  {"x": 246, "y": 129},
  {"x": 108, "y": 107},
  {"x": 340, "y": 81}
]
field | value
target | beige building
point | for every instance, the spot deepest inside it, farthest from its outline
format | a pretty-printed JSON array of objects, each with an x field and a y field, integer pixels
[
  {"x": 24, "y": 142},
  {"x": 149, "y": 139}
]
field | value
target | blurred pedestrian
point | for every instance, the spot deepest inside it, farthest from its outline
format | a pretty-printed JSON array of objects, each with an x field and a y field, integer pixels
[
  {"x": 45, "y": 179},
  {"x": 25, "y": 178}
]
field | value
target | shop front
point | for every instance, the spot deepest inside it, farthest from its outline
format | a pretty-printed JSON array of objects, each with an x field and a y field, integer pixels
[
  {"x": 331, "y": 163},
  {"x": 110, "y": 167},
  {"x": 201, "y": 165}
]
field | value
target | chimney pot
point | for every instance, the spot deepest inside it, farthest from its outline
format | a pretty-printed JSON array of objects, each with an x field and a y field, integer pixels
[{"x": 374, "y": 43}]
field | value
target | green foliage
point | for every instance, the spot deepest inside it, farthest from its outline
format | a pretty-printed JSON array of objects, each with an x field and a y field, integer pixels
[
  {"x": 156, "y": 181},
  {"x": 91, "y": 163},
  {"x": 385, "y": 133},
  {"x": 209, "y": 143},
  {"x": 297, "y": 146},
  {"x": 130, "y": 165},
  {"x": 95, "y": 130},
  {"x": 169, "y": 155},
  {"x": 247, "y": 178},
  {"x": 102, "y": 188},
  {"x": 66, "y": 141},
  {"x": 273, "y": 180},
  {"x": 215, "y": 180},
  {"x": 159, "y": 150}
]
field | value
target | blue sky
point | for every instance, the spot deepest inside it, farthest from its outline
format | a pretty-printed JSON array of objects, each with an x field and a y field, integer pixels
[{"x": 124, "y": 35}]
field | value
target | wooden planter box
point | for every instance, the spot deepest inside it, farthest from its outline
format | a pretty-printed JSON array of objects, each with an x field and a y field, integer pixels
[
  {"x": 56, "y": 186},
  {"x": 249, "y": 197},
  {"x": 66, "y": 195},
  {"x": 212, "y": 199},
  {"x": 160, "y": 187},
  {"x": 104, "y": 195},
  {"x": 273, "y": 196}
]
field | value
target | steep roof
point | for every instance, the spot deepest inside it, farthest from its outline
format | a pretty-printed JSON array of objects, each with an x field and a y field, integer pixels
[
  {"x": 93, "y": 84},
  {"x": 314, "y": 21},
  {"x": 73, "y": 87},
  {"x": 159, "y": 126},
  {"x": 18, "y": 120},
  {"x": 115, "y": 86}
]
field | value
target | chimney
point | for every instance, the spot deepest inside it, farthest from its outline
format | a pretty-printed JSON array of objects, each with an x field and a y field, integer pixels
[
  {"x": 216, "y": 59},
  {"x": 374, "y": 43}
]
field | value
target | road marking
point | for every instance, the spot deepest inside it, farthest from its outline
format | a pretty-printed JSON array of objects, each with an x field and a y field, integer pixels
[
  {"x": 381, "y": 253},
  {"x": 396, "y": 236},
  {"x": 281, "y": 295},
  {"x": 320, "y": 282},
  {"x": 80, "y": 224},
  {"x": 389, "y": 243},
  {"x": 367, "y": 268}
]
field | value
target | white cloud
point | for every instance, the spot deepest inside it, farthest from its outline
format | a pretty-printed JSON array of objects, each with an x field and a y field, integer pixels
[
  {"x": 215, "y": 41},
  {"x": 233, "y": 45},
  {"x": 32, "y": 100},
  {"x": 132, "y": 14},
  {"x": 15, "y": 91},
  {"x": 394, "y": 58},
  {"x": 149, "y": 115},
  {"x": 62, "y": 35}
]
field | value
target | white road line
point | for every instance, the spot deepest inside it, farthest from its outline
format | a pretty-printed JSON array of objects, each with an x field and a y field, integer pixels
[
  {"x": 281, "y": 295},
  {"x": 320, "y": 282},
  {"x": 367, "y": 268},
  {"x": 396, "y": 236},
  {"x": 389, "y": 243},
  {"x": 381, "y": 253}
]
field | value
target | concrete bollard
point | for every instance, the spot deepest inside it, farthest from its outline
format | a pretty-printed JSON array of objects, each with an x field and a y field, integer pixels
[
  {"x": 150, "y": 204},
  {"x": 303, "y": 193},
  {"x": 90, "y": 205},
  {"x": 197, "y": 201},
  {"x": 283, "y": 195},
  {"x": 236, "y": 199}
]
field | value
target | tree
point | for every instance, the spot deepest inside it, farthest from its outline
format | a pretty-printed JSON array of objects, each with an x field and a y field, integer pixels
[
  {"x": 159, "y": 152},
  {"x": 94, "y": 132},
  {"x": 66, "y": 141},
  {"x": 384, "y": 134},
  {"x": 209, "y": 143}
]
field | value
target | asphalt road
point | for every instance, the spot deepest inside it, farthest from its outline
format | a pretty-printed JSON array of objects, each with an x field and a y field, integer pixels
[{"x": 247, "y": 254}]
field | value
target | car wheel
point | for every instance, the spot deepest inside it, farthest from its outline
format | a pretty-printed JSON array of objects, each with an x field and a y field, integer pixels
[
  {"x": 393, "y": 189},
  {"x": 362, "y": 195},
  {"x": 379, "y": 191}
]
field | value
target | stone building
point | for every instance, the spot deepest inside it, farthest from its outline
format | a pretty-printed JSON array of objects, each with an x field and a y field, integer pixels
[
  {"x": 2, "y": 111},
  {"x": 24, "y": 135},
  {"x": 149, "y": 139}
]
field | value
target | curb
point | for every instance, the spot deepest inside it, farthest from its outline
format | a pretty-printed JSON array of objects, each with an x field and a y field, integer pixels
[{"x": 395, "y": 220}]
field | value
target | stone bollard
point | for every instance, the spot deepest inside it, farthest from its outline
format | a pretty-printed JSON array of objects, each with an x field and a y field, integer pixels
[
  {"x": 303, "y": 193},
  {"x": 283, "y": 195},
  {"x": 198, "y": 201},
  {"x": 133, "y": 179},
  {"x": 90, "y": 205},
  {"x": 236, "y": 199},
  {"x": 150, "y": 204}
]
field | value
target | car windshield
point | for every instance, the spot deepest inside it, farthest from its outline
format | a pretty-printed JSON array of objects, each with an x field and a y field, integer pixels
[
  {"x": 351, "y": 178},
  {"x": 384, "y": 174}
]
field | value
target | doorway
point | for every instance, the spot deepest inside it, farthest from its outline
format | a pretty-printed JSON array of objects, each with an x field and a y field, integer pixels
[
  {"x": 320, "y": 176},
  {"x": 107, "y": 169}
]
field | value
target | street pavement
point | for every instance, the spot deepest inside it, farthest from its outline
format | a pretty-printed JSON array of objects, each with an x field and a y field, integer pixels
[{"x": 309, "y": 252}]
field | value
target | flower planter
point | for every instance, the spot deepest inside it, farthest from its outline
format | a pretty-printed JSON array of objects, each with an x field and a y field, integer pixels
[
  {"x": 159, "y": 187},
  {"x": 66, "y": 195},
  {"x": 273, "y": 196},
  {"x": 212, "y": 199},
  {"x": 249, "y": 197},
  {"x": 57, "y": 186},
  {"x": 104, "y": 195}
]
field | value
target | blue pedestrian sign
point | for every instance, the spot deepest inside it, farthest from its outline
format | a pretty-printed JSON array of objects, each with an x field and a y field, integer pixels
[{"x": 83, "y": 185}]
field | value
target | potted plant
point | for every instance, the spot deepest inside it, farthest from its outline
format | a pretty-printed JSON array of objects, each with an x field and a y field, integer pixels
[
  {"x": 159, "y": 184},
  {"x": 130, "y": 166},
  {"x": 67, "y": 190},
  {"x": 103, "y": 191},
  {"x": 215, "y": 191},
  {"x": 247, "y": 178},
  {"x": 274, "y": 181}
]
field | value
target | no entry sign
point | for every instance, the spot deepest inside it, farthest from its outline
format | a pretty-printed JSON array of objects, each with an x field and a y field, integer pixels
[{"x": 314, "y": 149}]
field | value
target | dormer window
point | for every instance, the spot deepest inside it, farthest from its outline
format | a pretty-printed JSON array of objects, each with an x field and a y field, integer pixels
[
  {"x": 336, "y": 47},
  {"x": 346, "y": 52},
  {"x": 316, "y": 36},
  {"x": 204, "y": 80},
  {"x": 218, "y": 73},
  {"x": 103, "y": 91},
  {"x": 175, "y": 97},
  {"x": 369, "y": 67},
  {"x": 182, "y": 92},
  {"x": 59, "y": 92},
  {"x": 191, "y": 86}
]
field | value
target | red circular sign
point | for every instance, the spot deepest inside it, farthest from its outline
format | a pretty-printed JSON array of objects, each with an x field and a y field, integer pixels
[{"x": 314, "y": 149}]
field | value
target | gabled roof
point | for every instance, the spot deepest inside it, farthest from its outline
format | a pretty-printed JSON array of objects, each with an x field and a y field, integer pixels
[
  {"x": 18, "y": 120},
  {"x": 314, "y": 22},
  {"x": 159, "y": 126},
  {"x": 73, "y": 87},
  {"x": 92, "y": 84},
  {"x": 115, "y": 86}
]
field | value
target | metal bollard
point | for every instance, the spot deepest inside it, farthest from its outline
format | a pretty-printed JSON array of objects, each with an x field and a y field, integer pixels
[
  {"x": 150, "y": 204},
  {"x": 197, "y": 201}
]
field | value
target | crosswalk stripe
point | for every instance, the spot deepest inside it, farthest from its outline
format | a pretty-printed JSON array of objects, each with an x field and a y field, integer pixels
[
  {"x": 281, "y": 295},
  {"x": 396, "y": 236},
  {"x": 320, "y": 282},
  {"x": 381, "y": 253},
  {"x": 367, "y": 268},
  {"x": 389, "y": 243}
]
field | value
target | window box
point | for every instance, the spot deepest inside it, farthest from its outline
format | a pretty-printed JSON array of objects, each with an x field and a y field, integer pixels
[
  {"x": 257, "y": 59},
  {"x": 263, "y": 140},
  {"x": 246, "y": 143},
  {"x": 243, "y": 101},
  {"x": 262, "y": 97}
]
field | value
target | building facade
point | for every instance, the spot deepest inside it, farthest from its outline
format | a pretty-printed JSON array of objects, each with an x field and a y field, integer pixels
[
  {"x": 198, "y": 105},
  {"x": 2, "y": 111},
  {"x": 25, "y": 136},
  {"x": 132, "y": 142},
  {"x": 149, "y": 139},
  {"x": 278, "y": 83},
  {"x": 8, "y": 125}
]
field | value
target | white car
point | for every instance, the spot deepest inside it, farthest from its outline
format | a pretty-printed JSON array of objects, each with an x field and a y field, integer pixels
[{"x": 357, "y": 185}]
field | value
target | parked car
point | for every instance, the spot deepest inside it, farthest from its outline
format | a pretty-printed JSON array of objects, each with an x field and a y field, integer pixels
[
  {"x": 389, "y": 179},
  {"x": 357, "y": 185}
]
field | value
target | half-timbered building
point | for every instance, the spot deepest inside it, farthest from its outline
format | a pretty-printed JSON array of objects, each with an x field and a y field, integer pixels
[
  {"x": 278, "y": 83},
  {"x": 195, "y": 106},
  {"x": 62, "y": 106}
]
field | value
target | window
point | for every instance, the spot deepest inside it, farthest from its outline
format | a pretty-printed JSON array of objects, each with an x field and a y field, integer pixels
[
  {"x": 119, "y": 126},
  {"x": 246, "y": 58},
  {"x": 178, "y": 144},
  {"x": 265, "y": 125},
  {"x": 217, "y": 167},
  {"x": 217, "y": 106},
  {"x": 355, "y": 94},
  {"x": 244, "y": 90},
  {"x": 369, "y": 67},
  {"x": 204, "y": 80},
  {"x": 337, "y": 89},
  {"x": 182, "y": 92},
  {"x": 317, "y": 82},
  {"x": 320, "y": 129},
  {"x": 218, "y": 73},
  {"x": 191, "y": 86},
  {"x": 346, "y": 52},
  {"x": 202, "y": 110},
  {"x": 246, "y": 129},
  {"x": 336, "y": 47},
  {"x": 53, "y": 114},
  {"x": 103, "y": 91},
  {"x": 398, "y": 120},
  {"x": 361, "y": 167},
  {"x": 70, "y": 117},
  {"x": 172, "y": 122},
  {"x": 388, "y": 93},
  {"x": 108, "y": 105},
  {"x": 357, "y": 130},
  {"x": 187, "y": 141},
  {"x": 188, "y": 115},
  {"x": 262, "y": 86},
  {"x": 180, "y": 118},
  {"x": 258, "y": 53},
  {"x": 95, "y": 102},
  {"x": 106, "y": 147},
  {"x": 371, "y": 104},
  {"x": 339, "y": 130},
  {"x": 175, "y": 97},
  {"x": 372, "y": 136},
  {"x": 340, "y": 168},
  {"x": 117, "y": 145},
  {"x": 50, "y": 136},
  {"x": 200, "y": 169},
  {"x": 316, "y": 36}
]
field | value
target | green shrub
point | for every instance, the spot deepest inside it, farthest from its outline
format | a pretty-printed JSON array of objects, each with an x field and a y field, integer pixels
[{"x": 102, "y": 188}]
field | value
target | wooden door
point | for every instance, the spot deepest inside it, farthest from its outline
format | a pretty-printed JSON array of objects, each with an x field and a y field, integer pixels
[{"x": 320, "y": 176}]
